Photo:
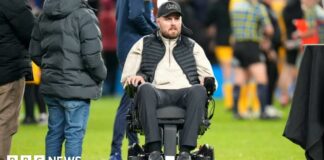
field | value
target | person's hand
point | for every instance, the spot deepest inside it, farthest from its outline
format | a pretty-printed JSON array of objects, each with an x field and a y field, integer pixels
[
  {"x": 202, "y": 82},
  {"x": 296, "y": 35},
  {"x": 265, "y": 44},
  {"x": 134, "y": 80},
  {"x": 272, "y": 55}
]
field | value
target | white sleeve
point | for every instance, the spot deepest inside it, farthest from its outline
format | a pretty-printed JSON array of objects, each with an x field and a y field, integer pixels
[
  {"x": 133, "y": 61},
  {"x": 204, "y": 67}
]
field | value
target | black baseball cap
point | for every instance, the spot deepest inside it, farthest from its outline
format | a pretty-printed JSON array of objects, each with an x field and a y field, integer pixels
[{"x": 168, "y": 8}]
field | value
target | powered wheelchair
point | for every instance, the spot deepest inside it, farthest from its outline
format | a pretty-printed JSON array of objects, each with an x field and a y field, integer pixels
[{"x": 170, "y": 120}]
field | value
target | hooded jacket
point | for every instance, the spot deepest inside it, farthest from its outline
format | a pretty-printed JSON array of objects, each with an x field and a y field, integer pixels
[
  {"x": 66, "y": 43},
  {"x": 16, "y": 24}
]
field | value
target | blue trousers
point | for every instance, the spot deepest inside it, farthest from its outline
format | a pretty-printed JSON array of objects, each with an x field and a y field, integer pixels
[
  {"x": 120, "y": 126},
  {"x": 67, "y": 122}
]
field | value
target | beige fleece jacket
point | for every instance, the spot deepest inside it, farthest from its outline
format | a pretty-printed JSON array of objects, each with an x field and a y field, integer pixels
[{"x": 168, "y": 74}]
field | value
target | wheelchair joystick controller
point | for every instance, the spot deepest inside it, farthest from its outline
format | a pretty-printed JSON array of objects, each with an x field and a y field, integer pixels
[{"x": 209, "y": 83}]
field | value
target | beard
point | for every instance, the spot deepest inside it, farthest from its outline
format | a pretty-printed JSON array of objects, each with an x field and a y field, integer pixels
[{"x": 171, "y": 33}]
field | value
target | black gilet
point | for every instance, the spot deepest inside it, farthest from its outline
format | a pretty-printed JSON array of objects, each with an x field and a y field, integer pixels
[{"x": 154, "y": 50}]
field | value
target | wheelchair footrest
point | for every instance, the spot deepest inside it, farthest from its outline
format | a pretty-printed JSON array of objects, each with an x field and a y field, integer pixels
[
  {"x": 200, "y": 157},
  {"x": 139, "y": 157}
]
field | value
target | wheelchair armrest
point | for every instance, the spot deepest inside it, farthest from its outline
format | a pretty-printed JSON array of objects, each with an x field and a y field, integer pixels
[
  {"x": 132, "y": 115},
  {"x": 209, "y": 83},
  {"x": 131, "y": 90}
]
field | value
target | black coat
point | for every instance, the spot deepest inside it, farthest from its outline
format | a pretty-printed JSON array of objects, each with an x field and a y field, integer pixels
[
  {"x": 305, "y": 125},
  {"x": 16, "y": 24}
]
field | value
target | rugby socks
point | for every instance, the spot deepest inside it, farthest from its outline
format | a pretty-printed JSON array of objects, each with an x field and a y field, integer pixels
[
  {"x": 228, "y": 95},
  {"x": 262, "y": 94},
  {"x": 236, "y": 96}
]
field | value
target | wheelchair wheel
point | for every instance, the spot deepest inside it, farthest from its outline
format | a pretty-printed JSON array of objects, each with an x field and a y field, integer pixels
[
  {"x": 205, "y": 152},
  {"x": 136, "y": 152}
]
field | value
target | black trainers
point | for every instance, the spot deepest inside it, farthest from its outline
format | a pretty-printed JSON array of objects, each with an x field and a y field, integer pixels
[
  {"x": 29, "y": 121},
  {"x": 135, "y": 150},
  {"x": 115, "y": 156},
  {"x": 184, "y": 156},
  {"x": 155, "y": 155}
]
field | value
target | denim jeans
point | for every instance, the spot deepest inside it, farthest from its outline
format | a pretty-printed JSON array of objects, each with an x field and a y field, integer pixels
[
  {"x": 67, "y": 121},
  {"x": 120, "y": 126}
]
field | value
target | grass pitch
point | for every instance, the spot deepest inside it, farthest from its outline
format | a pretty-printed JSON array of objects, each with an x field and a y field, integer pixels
[{"x": 232, "y": 139}]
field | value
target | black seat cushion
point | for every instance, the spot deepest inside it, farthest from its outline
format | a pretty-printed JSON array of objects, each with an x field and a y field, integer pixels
[{"x": 171, "y": 112}]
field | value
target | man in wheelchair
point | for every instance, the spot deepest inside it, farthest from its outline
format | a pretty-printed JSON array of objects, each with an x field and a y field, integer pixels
[{"x": 170, "y": 68}]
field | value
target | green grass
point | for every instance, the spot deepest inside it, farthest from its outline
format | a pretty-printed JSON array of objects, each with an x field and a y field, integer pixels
[{"x": 231, "y": 139}]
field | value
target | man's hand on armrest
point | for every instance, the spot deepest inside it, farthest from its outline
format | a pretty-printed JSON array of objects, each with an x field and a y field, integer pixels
[
  {"x": 132, "y": 83},
  {"x": 134, "y": 80}
]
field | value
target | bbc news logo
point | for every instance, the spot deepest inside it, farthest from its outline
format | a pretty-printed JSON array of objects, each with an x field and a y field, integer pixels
[{"x": 40, "y": 157}]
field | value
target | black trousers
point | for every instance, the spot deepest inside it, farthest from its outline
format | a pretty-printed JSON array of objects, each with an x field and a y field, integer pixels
[
  {"x": 32, "y": 96},
  {"x": 111, "y": 62},
  {"x": 192, "y": 99},
  {"x": 272, "y": 73}
]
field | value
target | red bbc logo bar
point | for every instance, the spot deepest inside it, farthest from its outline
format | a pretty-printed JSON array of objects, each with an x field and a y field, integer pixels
[{"x": 25, "y": 157}]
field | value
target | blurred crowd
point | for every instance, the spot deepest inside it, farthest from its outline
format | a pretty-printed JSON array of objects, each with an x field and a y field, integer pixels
[{"x": 294, "y": 23}]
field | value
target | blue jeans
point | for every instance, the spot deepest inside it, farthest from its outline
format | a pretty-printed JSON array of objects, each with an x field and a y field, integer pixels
[
  {"x": 67, "y": 121},
  {"x": 120, "y": 126}
]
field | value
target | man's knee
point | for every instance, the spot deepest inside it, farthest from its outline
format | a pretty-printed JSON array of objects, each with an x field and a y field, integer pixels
[
  {"x": 197, "y": 92},
  {"x": 198, "y": 89},
  {"x": 146, "y": 90},
  {"x": 259, "y": 72}
]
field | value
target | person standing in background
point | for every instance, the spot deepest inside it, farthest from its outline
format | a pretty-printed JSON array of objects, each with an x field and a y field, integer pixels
[
  {"x": 107, "y": 21},
  {"x": 33, "y": 95},
  {"x": 288, "y": 74},
  {"x": 194, "y": 16},
  {"x": 66, "y": 43},
  {"x": 271, "y": 49},
  {"x": 134, "y": 20},
  {"x": 16, "y": 24},
  {"x": 247, "y": 17},
  {"x": 219, "y": 26}
]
